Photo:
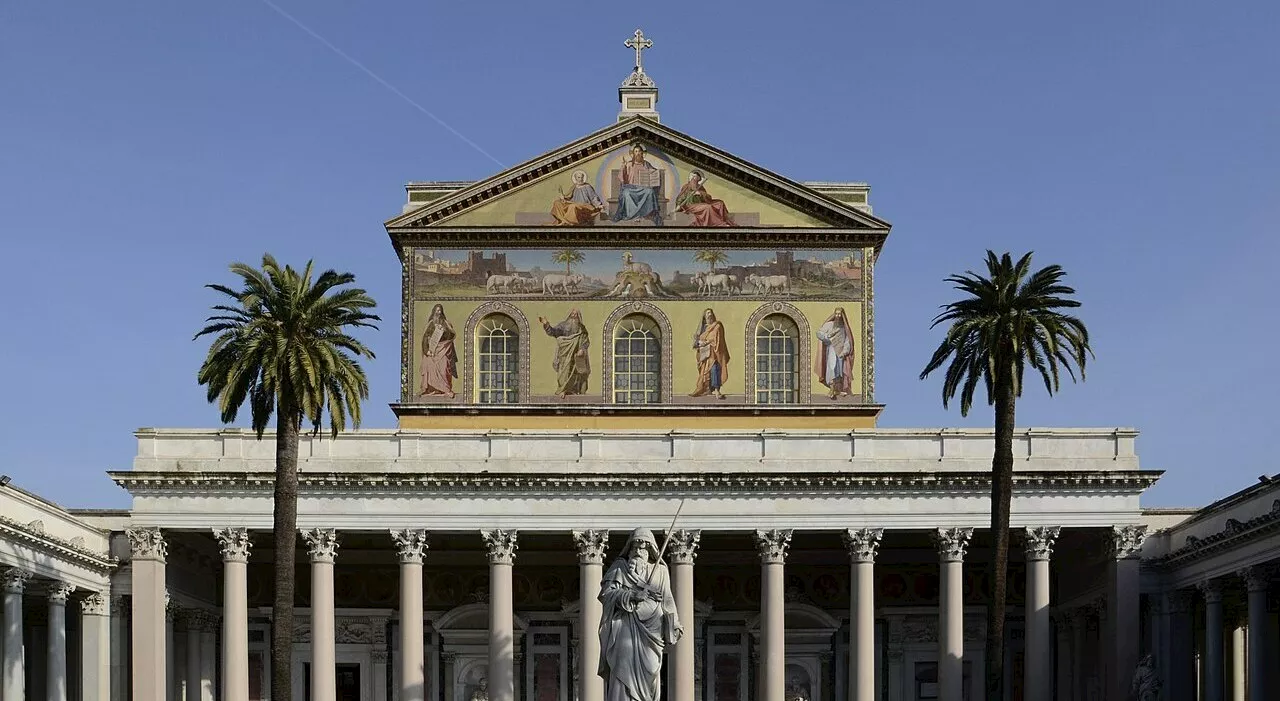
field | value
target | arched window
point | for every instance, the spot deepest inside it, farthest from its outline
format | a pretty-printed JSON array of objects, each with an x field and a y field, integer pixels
[
  {"x": 497, "y": 360},
  {"x": 637, "y": 361},
  {"x": 777, "y": 377}
]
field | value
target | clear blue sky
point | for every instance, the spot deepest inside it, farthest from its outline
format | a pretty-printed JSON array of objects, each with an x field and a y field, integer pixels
[{"x": 144, "y": 145}]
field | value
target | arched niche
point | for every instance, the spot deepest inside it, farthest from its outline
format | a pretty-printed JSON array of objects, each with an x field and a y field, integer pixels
[
  {"x": 804, "y": 350},
  {"x": 464, "y": 642},
  {"x": 469, "y": 374},
  {"x": 666, "y": 342}
]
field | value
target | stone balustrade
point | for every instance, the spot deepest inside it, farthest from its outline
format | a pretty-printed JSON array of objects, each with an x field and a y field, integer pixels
[{"x": 580, "y": 451}]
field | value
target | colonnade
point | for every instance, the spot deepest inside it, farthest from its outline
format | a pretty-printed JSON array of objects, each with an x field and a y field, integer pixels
[
  {"x": 94, "y": 640},
  {"x": 1237, "y": 656},
  {"x": 149, "y": 634}
]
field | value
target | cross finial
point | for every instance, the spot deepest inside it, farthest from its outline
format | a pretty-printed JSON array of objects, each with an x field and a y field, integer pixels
[{"x": 639, "y": 43}]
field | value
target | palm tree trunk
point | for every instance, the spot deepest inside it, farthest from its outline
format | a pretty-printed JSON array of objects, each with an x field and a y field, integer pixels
[
  {"x": 285, "y": 541},
  {"x": 1001, "y": 504}
]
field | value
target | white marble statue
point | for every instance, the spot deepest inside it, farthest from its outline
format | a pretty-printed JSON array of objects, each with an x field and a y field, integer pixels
[
  {"x": 639, "y": 620},
  {"x": 1146, "y": 681}
]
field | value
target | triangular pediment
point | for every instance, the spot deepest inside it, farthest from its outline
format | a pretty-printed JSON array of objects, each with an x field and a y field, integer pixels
[{"x": 591, "y": 177}]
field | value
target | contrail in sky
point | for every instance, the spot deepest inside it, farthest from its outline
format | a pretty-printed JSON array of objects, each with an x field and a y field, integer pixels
[{"x": 280, "y": 11}]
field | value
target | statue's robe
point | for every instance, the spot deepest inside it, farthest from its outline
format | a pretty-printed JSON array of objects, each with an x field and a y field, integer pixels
[{"x": 633, "y": 635}]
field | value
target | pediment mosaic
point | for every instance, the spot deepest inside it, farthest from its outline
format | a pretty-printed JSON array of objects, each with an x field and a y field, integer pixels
[
  {"x": 637, "y": 174},
  {"x": 635, "y": 185}
]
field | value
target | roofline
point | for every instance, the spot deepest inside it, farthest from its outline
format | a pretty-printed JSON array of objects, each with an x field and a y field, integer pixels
[
  {"x": 468, "y": 183},
  {"x": 1233, "y": 499},
  {"x": 6, "y": 482}
]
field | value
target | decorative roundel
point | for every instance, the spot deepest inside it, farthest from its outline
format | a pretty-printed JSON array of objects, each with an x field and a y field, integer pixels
[
  {"x": 777, "y": 306},
  {"x": 637, "y": 306}
]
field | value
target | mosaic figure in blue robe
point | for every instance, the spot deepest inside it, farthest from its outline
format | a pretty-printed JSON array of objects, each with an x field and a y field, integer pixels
[{"x": 638, "y": 195}]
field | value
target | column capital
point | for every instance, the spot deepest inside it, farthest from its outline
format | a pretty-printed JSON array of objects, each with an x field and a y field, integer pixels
[
  {"x": 15, "y": 580},
  {"x": 322, "y": 544},
  {"x": 501, "y": 545},
  {"x": 95, "y": 604},
  {"x": 862, "y": 543},
  {"x": 210, "y": 622},
  {"x": 1039, "y": 542},
  {"x": 952, "y": 543},
  {"x": 773, "y": 545},
  {"x": 380, "y": 657},
  {"x": 1256, "y": 577},
  {"x": 684, "y": 545},
  {"x": 411, "y": 545},
  {"x": 235, "y": 543},
  {"x": 1212, "y": 590},
  {"x": 147, "y": 544},
  {"x": 1126, "y": 541},
  {"x": 591, "y": 545},
  {"x": 59, "y": 592}
]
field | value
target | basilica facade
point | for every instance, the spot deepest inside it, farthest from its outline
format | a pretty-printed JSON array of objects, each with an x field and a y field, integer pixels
[{"x": 638, "y": 329}]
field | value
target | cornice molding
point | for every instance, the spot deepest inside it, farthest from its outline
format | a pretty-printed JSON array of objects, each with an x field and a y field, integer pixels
[
  {"x": 65, "y": 550},
  {"x": 563, "y": 484},
  {"x": 1234, "y": 533},
  {"x": 638, "y": 237}
]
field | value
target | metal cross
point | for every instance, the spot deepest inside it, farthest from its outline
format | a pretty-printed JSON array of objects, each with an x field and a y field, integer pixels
[{"x": 639, "y": 43}]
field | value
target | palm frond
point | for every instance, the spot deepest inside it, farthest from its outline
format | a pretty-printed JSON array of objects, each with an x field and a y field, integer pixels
[
  {"x": 284, "y": 341},
  {"x": 1004, "y": 323}
]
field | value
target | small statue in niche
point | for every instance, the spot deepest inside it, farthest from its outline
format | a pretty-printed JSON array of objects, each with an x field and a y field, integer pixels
[
  {"x": 795, "y": 690},
  {"x": 482, "y": 690},
  {"x": 1146, "y": 681}
]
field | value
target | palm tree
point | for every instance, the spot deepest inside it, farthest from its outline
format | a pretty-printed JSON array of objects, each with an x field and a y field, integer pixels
[
  {"x": 1007, "y": 321},
  {"x": 569, "y": 256},
  {"x": 282, "y": 345},
  {"x": 710, "y": 256}
]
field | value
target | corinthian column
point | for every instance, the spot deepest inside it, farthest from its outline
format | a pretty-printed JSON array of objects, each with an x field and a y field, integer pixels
[
  {"x": 1214, "y": 659},
  {"x": 322, "y": 546},
  {"x": 235, "y": 613},
  {"x": 1237, "y": 661},
  {"x": 591, "y": 545},
  {"x": 410, "y": 546},
  {"x": 862, "y": 544},
  {"x": 192, "y": 675},
  {"x": 95, "y": 647},
  {"x": 56, "y": 660},
  {"x": 951, "y": 543},
  {"x": 1256, "y": 580},
  {"x": 1039, "y": 633},
  {"x": 14, "y": 676},
  {"x": 501, "y": 545},
  {"x": 773, "y": 546},
  {"x": 1123, "y": 627},
  {"x": 149, "y": 598},
  {"x": 683, "y": 549}
]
